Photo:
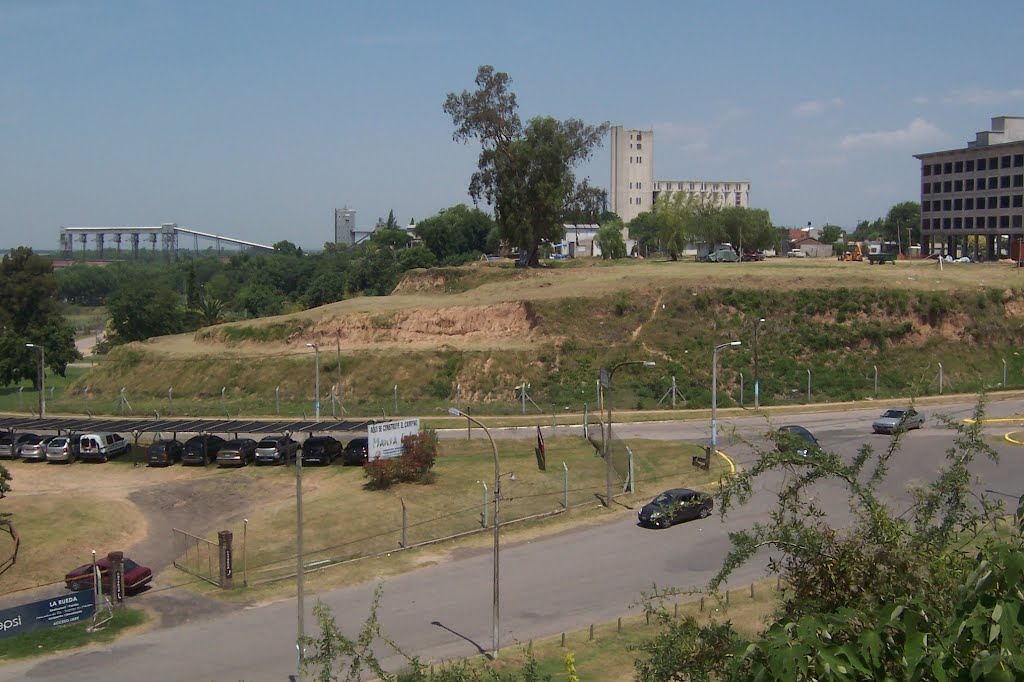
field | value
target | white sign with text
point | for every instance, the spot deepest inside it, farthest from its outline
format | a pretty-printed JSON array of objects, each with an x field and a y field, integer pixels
[{"x": 386, "y": 439}]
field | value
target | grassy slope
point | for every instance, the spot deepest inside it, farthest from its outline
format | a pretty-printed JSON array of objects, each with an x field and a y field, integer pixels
[{"x": 838, "y": 319}]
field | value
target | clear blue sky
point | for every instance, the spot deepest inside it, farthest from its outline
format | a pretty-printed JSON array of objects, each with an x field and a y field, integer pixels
[{"x": 257, "y": 119}]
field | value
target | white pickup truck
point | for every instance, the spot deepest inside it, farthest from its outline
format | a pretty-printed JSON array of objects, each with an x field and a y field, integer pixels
[{"x": 796, "y": 253}]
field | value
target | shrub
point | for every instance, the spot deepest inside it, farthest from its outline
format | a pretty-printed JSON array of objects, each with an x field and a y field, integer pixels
[{"x": 412, "y": 466}]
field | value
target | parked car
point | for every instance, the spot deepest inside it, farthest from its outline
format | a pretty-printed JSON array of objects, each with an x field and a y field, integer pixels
[
  {"x": 99, "y": 447},
  {"x": 276, "y": 450},
  {"x": 62, "y": 449},
  {"x": 357, "y": 452},
  {"x": 752, "y": 255},
  {"x": 722, "y": 254},
  {"x": 135, "y": 576},
  {"x": 201, "y": 449},
  {"x": 237, "y": 452},
  {"x": 797, "y": 439},
  {"x": 672, "y": 506},
  {"x": 35, "y": 451},
  {"x": 163, "y": 453},
  {"x": 796, "y": 253},
  {"x": 895, "y": 420},
  {"x": 11, "y": 443},
  {"x": 320, "y": 450}
]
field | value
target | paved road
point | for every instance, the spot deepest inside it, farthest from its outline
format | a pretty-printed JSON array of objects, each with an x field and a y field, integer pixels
[{"x": 548, "y": 586}]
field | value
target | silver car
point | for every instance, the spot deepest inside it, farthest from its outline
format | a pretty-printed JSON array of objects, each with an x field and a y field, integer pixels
[
  {"x": 895, "y": 420},
  {"x": 62, "y": 449},
  {"x": 35, "y": 451}
]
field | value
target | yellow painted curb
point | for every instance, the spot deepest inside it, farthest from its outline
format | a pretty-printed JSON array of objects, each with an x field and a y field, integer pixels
[
  {"x": 732, "y": 466},
  {"x": 1013, "y": 440},
  {"x": 997, "y": 420}
]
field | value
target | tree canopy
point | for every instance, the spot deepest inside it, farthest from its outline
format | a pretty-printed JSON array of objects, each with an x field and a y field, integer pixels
[
  {"x": 458, "y": 233},
  {"x": 609, "y": 236},
  {"x": 29, "y": 314},
  {"x": 525, "y": 173}
]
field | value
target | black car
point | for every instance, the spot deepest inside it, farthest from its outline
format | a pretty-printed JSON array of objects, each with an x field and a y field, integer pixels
[
  {"x": 201, "y": 449},
  {"x": 672, "y": 506},
  {"x": 237, "y": 452},
  {"x": 320, "y": 450},
  {"x": 163, "y": 453},
  {"x": 797, "y": 439},
  {"x": 357, "y": 452},
  {"x": 10, "y": 444},
  {"x": 276, "y": 450}
]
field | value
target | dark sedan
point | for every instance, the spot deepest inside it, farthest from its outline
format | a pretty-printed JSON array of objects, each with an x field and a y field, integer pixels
[
  {"x": 136, "y": 576},
  {"x": 164, "y": 453},
  {"x": 795, "y": 438},
  {"x": 201, "y": 449},
  {"x": 357, "y": 452},
  {"x": 673, "y": 506},
  {"x": 237, "y": 452},
  {"x": 320, "y": 450}
]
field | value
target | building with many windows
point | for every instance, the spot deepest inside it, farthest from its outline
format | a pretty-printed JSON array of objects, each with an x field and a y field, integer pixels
[
  {"x": 634, "y": 189},
  {"x": 976, "y": 191}
]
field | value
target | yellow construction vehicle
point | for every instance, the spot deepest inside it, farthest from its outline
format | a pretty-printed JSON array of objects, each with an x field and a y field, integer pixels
[{"x": 852, "y": 253}]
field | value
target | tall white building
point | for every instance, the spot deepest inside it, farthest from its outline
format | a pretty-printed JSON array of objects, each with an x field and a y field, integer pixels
[
  {"x": 634, "y": 189},
  {"x": 632, "y": 172},
  {"x": 345, "y": 226}
]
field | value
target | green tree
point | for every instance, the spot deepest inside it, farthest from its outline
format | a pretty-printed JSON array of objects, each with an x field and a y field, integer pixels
[
  {"x": 682, "y": 218},
  {"x": 392, "y": 224},
  {"x": 29, "y": 314},
  {"x": 609, "y": 236},
  {"x": 746, "y": 227},
  {"x": 287, "y": 248},
  {"x": 903, "y": 224},
  {"x": 829, "y": 234},
  {"x": 261, "y": 300},
  {"x": 585, "y": 204},
  {"x": 525, "y": 173},
  {"x": 142, "y": 310},
  {"x": 644, "y": 229},
  {"x": 456, "y": 231}
]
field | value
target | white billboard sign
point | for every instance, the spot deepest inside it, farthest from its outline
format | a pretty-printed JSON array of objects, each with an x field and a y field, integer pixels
[{"x": 386, "y": 439}]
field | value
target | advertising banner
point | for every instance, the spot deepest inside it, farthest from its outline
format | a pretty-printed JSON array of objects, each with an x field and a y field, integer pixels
[
  {"x": 386, "y": 439},
  {"x": 47, "y": 613}
]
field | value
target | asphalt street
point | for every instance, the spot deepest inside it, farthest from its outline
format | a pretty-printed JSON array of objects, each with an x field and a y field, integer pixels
[{"x": 550, "y": 585}]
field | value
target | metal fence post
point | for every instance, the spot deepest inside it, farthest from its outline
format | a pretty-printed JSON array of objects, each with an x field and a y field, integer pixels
[
  {"x": 1004, "y": 372},
  {"x": 405, "y": 525},
  {"x": 170, "y": 399},
  {"x": 741, "y": 389},
  {"x": 586, "y": 421},
  {"x": 876, "y": 380},
  {"x": 458, "y": 397},
  {"x": 940, "y": 378},
  {"x": 277, "y": 400},
  {"x": 396, "y": 399},
  {"x": 630, "y": 487},
  {"x": 808, "y": 385},
  {"x": 565, "y": 487},
  {"x": 674, "y": 392},
  {"x": 483, "y": 515}
]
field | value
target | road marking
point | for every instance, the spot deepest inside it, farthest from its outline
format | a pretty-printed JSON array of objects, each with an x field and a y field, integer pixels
[
  {"x": 732, "y": 466},
  {"x": 317, "y": 563},
  {"x": 1013, "y": 440},
  {"x": 996, "y": 420}
]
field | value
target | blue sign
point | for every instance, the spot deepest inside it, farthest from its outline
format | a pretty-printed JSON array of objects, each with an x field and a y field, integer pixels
[{"x": 47, "y": 613}]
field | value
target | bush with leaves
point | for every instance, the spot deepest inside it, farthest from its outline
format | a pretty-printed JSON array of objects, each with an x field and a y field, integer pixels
[
  {"x": 926, "y": 593},
  {"x": 419, "y": 452}
]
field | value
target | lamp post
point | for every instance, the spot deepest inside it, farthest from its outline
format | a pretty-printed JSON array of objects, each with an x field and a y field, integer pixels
[
  {"x": 714, "y": 392},
  {"x": 496, "y": 612},
  {"x": 757, "y": 383},
  {"x": 42, "y": 379},
  {"x": 606, "y": 381},
  {"x": 316, "y": 402}
]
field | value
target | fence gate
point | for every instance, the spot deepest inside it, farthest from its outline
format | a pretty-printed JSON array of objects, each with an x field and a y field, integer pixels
[{"x": 197, "y": 556}]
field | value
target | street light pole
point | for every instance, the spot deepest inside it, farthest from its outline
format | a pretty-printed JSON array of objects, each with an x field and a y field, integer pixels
[
  {"x": 495, "y": 590},
  {"x": 714, "y": 393},
  {"x": 42, "y": 378},
  {"x": 316, "y": 387},
  {"x": 608, "y": 437},
  {"x": 757, "y": 383}
]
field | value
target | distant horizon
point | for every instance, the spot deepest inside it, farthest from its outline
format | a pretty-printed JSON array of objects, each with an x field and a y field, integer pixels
[{"x": 257, "y": 120}]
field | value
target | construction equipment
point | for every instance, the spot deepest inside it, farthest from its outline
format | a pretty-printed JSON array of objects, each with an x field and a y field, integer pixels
[{"x": 852, "y": 253}]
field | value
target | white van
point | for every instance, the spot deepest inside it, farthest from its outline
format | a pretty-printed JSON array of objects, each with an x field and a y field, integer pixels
[{"x": 99, "y": 447}]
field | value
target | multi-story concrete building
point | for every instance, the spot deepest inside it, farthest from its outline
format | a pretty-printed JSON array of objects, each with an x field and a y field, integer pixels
[
  {"x": 976, "y": 191},
  {"x": 724, "y": 193},
  {"x": 345, "y": 226},
  {"x": 634, "y": 189},
  {"x": 632, "y": 172}
]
